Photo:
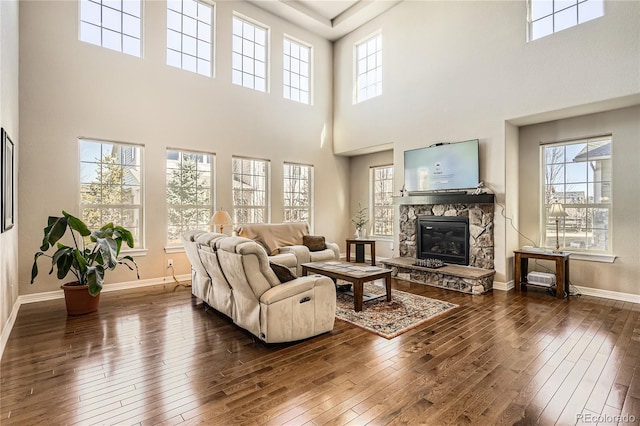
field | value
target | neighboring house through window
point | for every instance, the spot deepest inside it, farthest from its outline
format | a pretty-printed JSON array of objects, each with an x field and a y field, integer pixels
[
  {"x": 382, "y": 201},
  {"x": 114, "y": 24},
  {"x": 296, "y": 71},
  {"x": 298, "y": 193},
  {"x": 111, "y": 186},
  {"x": 578, "y": 174},
  {"x": 368, "y": 68},
  {"x": 249, "y": 54},
  {"x": 550, "y": 16},
  {"x": 189, "y": 193},
  {"x": 250, "y": 180},
  {"x": 189, "y": 35}
]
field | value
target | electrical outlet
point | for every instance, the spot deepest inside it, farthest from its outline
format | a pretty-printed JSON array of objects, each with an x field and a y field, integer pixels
[
  {"x": 391, "y": 246},
  {"x": 169, "y": 263}
]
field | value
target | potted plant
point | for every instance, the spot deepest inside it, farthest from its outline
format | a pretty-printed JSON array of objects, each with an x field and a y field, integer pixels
[
  {"x": 92, "y": 253},
  {"x": 360, "y": 220}
]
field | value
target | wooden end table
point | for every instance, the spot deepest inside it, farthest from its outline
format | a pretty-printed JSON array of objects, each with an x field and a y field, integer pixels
[
  {"x": 355, "y": 274},
  {"x": 562, "y": 269},
  {"x": 360, "y": 244}
]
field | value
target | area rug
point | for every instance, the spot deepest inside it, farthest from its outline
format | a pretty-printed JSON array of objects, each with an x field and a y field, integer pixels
[{"x": 390, "y": 319}]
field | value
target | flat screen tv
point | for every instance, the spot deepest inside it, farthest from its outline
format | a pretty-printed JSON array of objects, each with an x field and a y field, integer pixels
[{"x": 442, "y": 167}]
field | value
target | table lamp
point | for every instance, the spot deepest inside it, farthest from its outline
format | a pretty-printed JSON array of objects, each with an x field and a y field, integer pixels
[
  {"x": 557, "y": 211},
  {"x": 220, "y": 218}
]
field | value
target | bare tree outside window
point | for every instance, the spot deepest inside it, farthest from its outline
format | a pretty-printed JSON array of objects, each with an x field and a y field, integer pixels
[
  {"x": 297, "y": 192},
  {"x": 382, "y": 210},
  {"x": 250, "y": 179}
]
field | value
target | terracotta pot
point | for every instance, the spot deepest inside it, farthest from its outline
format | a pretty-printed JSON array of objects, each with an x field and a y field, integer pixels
[{"x": 78, "y": 299}]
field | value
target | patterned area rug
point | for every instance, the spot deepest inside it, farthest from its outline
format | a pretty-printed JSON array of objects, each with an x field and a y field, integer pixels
[{"x": 390, "y": 319}]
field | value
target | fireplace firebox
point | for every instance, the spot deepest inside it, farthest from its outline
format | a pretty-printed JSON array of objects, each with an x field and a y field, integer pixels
[{"x": 443, "y": 237}]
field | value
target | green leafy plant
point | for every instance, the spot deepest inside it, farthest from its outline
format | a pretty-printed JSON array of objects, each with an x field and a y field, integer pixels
[
  {"x": 92, "y": 253},
  {"x": 361, "y": 218}
]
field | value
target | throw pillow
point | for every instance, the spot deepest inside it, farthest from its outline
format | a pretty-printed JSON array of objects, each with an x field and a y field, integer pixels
[
  {"x": 313, "y": 242},
  {"x": 283, "y": 273}
]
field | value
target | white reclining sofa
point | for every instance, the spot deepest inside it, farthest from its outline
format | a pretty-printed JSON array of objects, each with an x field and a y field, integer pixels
[{"x": 233, "y": 276}]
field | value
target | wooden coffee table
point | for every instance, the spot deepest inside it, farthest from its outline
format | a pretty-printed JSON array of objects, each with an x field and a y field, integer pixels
[{"x": 355, "y": 274}]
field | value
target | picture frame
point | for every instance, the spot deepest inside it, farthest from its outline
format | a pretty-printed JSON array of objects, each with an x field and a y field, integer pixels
[{"x": 7, "y": 183}]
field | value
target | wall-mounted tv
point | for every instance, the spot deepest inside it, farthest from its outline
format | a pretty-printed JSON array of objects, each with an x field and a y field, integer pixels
[{"x": 442, "y": 167}]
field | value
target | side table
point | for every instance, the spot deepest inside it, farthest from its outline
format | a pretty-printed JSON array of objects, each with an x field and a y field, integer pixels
[
  {"x": 562, "y": 269},
  {"x": 360, "y": 243}
]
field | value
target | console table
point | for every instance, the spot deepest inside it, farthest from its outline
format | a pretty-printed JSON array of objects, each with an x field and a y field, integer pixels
[
  {"x": 360, "y": 243},
  {"x": 562, "y": 269}
]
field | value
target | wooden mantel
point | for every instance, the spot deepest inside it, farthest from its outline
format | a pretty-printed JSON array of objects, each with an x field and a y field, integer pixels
[{"x": 444, "y": 198}]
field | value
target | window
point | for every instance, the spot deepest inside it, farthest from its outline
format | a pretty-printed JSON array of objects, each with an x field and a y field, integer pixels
[
  {"x": 577, "y": 174},
  {"x": 111, "y": 186},
  {"x": 189, "y": 193},
  {"x": 550, "y": 16},
  {"x": 296, "y": 64},
  {"x": 298, "y": 195},
  {"x": 250, "y": 198},
  {"x": 114, "y": 24},
  {"x": 189, "y": 35},
  {"x": 369, "y": 68},
  {"x": 382, "y": 211},
  {"x": 249, "y": 57}
]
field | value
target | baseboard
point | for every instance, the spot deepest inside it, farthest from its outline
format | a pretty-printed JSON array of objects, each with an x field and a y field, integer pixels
[
  {"x": 6, "y": 331},
  {"x": 499, "y": 285},
  {"x": 607, "y": 294},
  {"x": 59, "y": 294}
]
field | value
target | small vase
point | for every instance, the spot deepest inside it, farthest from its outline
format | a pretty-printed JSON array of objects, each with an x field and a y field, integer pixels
[{"x": 360, "y": 233}]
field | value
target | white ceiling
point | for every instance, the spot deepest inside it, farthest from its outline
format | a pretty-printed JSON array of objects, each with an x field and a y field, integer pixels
[{"x": 331, "y": 19}]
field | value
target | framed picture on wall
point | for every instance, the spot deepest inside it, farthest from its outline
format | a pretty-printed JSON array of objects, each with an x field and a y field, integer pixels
[{"x": 7, "y": 183}]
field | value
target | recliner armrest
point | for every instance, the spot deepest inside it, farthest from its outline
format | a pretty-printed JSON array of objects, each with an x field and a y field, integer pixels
[
  {"x": 292, "y": 288},
  {"x": 301, "y": 252}
]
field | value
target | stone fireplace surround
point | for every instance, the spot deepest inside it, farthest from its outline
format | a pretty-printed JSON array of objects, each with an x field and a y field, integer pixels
[{"x": 477, "y": 278}]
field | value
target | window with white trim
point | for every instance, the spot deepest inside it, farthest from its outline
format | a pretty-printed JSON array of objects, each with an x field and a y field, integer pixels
[
  {"x": 296, "y": 71},
  {"x": 249, "y": 54},
  {"x": 189, "y": 192},
  {"x": 190, "y": 35},
  {"x": 250, "y": 179},
  {"x": 369, "y": 68},
  {"x": 382, "y": 200},
  {"x": 114, "y": 24},
  {"x": 578, "y": 175},
  {"x": 298, "y": 192},
  {"x": 111, "y": 186},
  {"x": 550, "y": 16}
]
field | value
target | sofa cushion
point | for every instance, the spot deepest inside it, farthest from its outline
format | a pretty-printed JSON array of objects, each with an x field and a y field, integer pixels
[
  {"x": 275, "y": 235},
  {"x": 283, "y": 273},
  {"x": 314, "y": 242}
]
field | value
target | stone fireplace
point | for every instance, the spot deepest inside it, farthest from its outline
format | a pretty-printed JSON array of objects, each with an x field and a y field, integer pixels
[{"x": 474, "y": 278}]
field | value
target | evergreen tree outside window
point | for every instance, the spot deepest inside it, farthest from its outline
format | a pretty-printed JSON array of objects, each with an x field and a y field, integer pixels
[
  {"x": 382, "y": 192},
  {"x": 250, "y": 179},
  {"x": 298, "y": 193},
  {"x": 189, "y": 193},
  {"x": 111, "y": 186}
]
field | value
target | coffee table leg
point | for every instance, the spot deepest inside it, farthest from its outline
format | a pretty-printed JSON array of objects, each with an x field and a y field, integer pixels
[
  {"x": 387, "y": 282},
  {"x": 357, "y": 295}
]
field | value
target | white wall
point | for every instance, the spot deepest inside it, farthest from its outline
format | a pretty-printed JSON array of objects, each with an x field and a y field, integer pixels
[
  {"x": 458, "y": 70},
  {"x": 71, "y": 89},
  {"x": 9, "y": 121},
  {"x": 624, "y": 126}
]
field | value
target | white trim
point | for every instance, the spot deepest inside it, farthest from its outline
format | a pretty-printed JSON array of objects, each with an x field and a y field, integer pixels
[
  {"x": 502, "y": 286},
  {"x": 175, "y": 249},
  {"x": 607, "y": 294},
  {"x": 134, "y": 252},
  {"x": 593, "y": 257},
  {"x": 6, "y": 331}
]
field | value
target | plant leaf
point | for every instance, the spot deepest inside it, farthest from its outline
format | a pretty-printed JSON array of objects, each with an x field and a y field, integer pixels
[
  {"x": 34, "y": 268},
  {"x": 77, "y": 224},
  {"x": 107, "y": 247},
  {"x": 55, "y": 229},
  {"x": 95, "y": 279}
]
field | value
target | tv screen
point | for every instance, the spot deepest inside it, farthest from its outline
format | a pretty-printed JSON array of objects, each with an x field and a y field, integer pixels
[{"x": 442, "y": 167}]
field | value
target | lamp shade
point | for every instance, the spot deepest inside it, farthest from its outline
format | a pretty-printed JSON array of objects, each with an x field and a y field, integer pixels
[
  {"x": 557, "y": 210},
  {"x": 221, "y": 218}
]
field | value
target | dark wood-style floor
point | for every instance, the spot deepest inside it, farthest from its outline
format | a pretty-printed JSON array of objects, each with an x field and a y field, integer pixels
[{"x": 151, "y": 357}]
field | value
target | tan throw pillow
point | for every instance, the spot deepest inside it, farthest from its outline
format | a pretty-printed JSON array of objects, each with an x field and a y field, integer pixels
[
  {"x": 283, "y": 273},
  {"x": 314, "y": 243}
]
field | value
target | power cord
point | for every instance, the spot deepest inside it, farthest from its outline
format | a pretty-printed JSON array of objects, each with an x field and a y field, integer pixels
[{"x": 178, "y": 283}]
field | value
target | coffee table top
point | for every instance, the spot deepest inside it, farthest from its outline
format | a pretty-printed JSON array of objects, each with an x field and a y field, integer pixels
[{"x": 353, "y": 270}]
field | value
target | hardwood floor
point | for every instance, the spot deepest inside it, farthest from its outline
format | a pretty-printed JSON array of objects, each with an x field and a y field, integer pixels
[{"x": 150, "y": 357}]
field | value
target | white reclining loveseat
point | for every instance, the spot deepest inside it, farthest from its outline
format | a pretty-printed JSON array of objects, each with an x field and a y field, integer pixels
[{"x": 233, "y": 276}]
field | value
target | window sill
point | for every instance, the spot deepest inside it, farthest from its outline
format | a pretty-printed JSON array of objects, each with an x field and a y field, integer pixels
[
  {"x": 134, "y": 252},
  {"x": 174, "y": 249},
  {"x": 592, "y": 257}
]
